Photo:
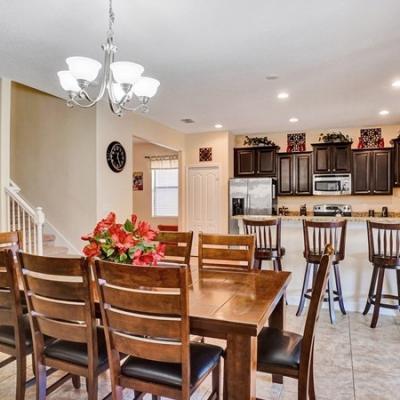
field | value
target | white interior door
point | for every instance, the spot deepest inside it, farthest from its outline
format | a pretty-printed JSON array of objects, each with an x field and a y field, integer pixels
[{"x": 203, "y": 199}]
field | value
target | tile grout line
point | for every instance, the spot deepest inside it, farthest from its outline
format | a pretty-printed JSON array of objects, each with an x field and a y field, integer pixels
[{"x": 351, "y": 358}]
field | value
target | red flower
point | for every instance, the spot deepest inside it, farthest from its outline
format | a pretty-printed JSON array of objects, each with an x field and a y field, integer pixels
[
  {"x": 105, "y": 223},
  {"x": 91, "y": 250},
  {"x": 133, "y": 219},
  {"x": 87, "y": 237},
  {"x": 145, "y": 231},
  {"x": 160, "y": 249},
  {"x": 123, "y": 240},
  {"x": 141, "y": 259}
]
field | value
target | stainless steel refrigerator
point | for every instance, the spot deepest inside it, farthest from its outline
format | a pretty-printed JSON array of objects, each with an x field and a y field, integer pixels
[{"x": 251, "y": 196}]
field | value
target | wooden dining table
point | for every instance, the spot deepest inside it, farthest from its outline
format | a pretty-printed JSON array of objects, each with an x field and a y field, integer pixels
[{"x": 235, "y": 306}]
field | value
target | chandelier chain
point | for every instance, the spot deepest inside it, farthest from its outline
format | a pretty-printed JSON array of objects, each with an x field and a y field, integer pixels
[{"x": 111, "y": 19}]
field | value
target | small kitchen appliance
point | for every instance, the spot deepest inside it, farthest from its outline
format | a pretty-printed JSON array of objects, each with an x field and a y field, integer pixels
[
  {"x": 331, "y": 184},
  {"x": 332, "y": 210}
]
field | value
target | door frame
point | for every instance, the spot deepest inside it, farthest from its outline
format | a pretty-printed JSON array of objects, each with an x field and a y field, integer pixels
[{"x": 217, "y": 166}]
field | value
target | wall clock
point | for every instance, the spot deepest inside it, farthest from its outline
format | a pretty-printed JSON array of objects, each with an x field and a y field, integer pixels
[{"x": 116, "y": 156}]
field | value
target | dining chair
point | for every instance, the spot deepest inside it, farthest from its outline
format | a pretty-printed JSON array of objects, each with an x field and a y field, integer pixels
[
  {"x": 167, "y": 228},
  {"x": 146, "y": 316},
  {"x": 61, "y": 306},
  {"x": 384, "y": 254},
  {"x": 317, "y": 235},
  {"x": 268, "y": 240},
  {"x": 226, "y": 252},
  {"x": 11, "y": 240},
  {"x": 178, "y": 246},
  {"x": 289, "y": 354}
]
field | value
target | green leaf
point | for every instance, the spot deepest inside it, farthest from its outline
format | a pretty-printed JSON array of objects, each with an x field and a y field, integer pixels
[
  {"x": 128, "y": 226},
  {"x": 123, "y": 257},
  {"x": 109, "y": 252}
]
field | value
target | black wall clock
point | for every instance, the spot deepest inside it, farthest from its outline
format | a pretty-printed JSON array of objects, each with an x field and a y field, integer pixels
[{"x": 116, "y": 156}]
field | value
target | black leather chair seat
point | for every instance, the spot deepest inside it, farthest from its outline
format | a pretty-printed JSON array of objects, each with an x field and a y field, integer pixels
[
  {"x": 203, "y": 357},
  {"x": 266, "y": 254},
  {"x": 77, "y": 352},
  {"x": 7, "y": 336},
  {"x": 278, "y": 348}
]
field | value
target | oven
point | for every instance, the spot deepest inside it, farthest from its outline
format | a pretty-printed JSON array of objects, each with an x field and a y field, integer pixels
[{"x": 332, "y": 185}]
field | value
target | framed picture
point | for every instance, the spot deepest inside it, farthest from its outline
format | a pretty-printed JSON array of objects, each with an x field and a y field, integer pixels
[
  {"x": 205, "y": 154},
  {"x": 137, "y": 181},
  {"x": 296, "y": 142}
]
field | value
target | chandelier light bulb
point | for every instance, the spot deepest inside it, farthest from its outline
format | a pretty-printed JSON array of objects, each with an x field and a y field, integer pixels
[
  {"x": 146, "y": 87},
  {"x": 126, "y": 72},
  {"x": 68, "y": 82},
  {"x": 83, "y": 68},
  {"x": 118, "y": 92}
]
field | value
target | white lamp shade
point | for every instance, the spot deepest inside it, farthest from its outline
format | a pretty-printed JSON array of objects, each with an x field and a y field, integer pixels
[
  {"x": 83, "y": 68},
  {"x": 117, "y": 92},
  {"x": 146, "y": 87},
  {"x": 126, "y": 72},
  {"x": 68, "y": 82}
]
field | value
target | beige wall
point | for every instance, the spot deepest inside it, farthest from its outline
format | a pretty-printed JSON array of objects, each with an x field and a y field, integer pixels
[
  {"x": 222, "y": 148},
  {"x": 53, "y": 159},
  {"x": 359, "y": 203},
  {"x": 142, "y": 205}
]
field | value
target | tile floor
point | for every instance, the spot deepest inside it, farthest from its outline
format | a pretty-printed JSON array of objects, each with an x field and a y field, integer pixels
[{"x": 353, "y": 362}]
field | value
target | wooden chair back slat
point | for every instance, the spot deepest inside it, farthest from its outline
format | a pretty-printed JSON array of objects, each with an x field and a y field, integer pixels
[
  {"x": 11, "y": 241},
  {"x": 5, "y": 298},
  {"x": 319, "y": 234},
  {"x": 59, "y": 299},
  {"x": 178, "y": 246},
  {"x": 317, "y": 298},
  {"x": 384, "y": 241},
  {"x": 267, "y": 233},
  {"x": 4, "y": 283},
  {"x": 135, "y": 301},
  {"x": 142, "y": 300},
  {"x": 226, "y": 252},
  {"x": 147, "y": 348},
  {"x": 6, "y": 317}
]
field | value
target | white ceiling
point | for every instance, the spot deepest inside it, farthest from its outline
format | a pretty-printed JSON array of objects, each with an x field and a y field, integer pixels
[{"x": 337, "y": 59}]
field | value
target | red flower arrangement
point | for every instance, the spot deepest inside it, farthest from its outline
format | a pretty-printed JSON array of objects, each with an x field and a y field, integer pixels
[{"x": 128, "y": 243}]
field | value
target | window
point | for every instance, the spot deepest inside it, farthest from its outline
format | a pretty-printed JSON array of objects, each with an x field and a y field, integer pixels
[{"x": 165, "y": 179}]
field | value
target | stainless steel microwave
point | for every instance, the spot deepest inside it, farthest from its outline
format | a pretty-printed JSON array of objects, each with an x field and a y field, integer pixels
[{"x": 332, "y": 185}]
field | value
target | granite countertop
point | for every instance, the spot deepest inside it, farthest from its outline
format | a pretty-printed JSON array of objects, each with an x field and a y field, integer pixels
[{"x": 358, "y": 217}]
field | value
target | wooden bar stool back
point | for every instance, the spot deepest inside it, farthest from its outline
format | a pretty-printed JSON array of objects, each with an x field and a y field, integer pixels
[
  {"x": 268, "y": 240},
  {"x": 292, "y": 355},
  {"x": 226, "y": 252},
  {"x": 61, "y": 307},
  {"x": 316, "y": 236},
  {"x": 15, "y": 335},
  {"x": 178, "y": 246},
  {"x": 384, "y": 254},
  {"x": 145, "y": 314}
]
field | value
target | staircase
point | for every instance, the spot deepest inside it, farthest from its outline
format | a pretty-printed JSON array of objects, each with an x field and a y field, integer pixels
[{"x": 21, "y": 216}]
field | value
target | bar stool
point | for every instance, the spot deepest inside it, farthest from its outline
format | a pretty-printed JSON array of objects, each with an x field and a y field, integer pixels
[
  {"x": 268, "y": 241},
  {"x": 384, "y": 253},
  {"x": 316, "y": 236}
]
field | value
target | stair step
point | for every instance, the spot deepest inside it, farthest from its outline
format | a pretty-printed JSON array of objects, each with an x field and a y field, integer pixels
[
  {"x": 48, "y": 237},
  {"x": 55, "y": 251}
]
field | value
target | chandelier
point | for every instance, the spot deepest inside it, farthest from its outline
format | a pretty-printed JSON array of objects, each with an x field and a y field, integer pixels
[{"x": 122, "y": 80}]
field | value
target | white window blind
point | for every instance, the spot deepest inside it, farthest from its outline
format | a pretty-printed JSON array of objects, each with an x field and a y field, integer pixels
[{"x": 165, "y": 180}]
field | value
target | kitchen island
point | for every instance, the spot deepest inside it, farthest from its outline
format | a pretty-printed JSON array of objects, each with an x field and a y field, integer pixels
[{"x": 355, "y": 269}]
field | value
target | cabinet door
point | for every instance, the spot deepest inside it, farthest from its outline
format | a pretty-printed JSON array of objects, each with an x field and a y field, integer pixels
[
  {"x": 382, "y": 183},
  {"x": 285, "y": 175},
  {"x": 396, "y": 166},
  {"x": 341, "y": 158},
  {"x": 245, "y": 162},
  {"x": 361, "y": 172},
  {"x": 266, "y": 162},
  {"x": 322, "y": 159},
  {"x": 303, "y": 174}
]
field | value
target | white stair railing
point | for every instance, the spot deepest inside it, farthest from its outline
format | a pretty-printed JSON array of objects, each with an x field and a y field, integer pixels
[{"x": 23, "y": 217}]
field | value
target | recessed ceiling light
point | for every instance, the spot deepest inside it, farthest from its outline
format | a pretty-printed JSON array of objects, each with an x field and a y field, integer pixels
[
  {"x": 218, "y": 126},
  {"x": 271, "y": 77},
  {"x": 384, "y": 112},
  {"x": 283, "y": 95},
  {"x": 396, "y": 83},
  {"x": 293, "y": 120}
]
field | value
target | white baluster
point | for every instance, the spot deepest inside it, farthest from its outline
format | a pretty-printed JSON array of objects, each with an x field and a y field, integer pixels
[
  {"x": 23, "y": 230},
  {"x": 30, "y": 234},
  {"x": 12, "y": 227},
  {"x": 35, "y": 248},
  {"x": 40, "y": 218},
  {"x": 8, "y": 212}
]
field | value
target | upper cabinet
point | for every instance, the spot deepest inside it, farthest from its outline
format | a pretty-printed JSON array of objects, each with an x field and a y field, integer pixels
[
  {"x": 372, "y": 172},
  {"x": 295, "y": 174},
  {"x": 255, "y": 161},
  {"x": 396, "y": 166},
  {"x": 332, "y": 158}
]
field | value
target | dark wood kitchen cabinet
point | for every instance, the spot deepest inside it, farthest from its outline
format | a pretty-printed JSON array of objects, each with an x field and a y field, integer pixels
[
  {"x": 295, "y": 174},
  {"x": 332, "y": 158},
  {"x": 372, "y": 172},
  {"x": 396, "y": 162},
  {"x": 255, "y": 162}
]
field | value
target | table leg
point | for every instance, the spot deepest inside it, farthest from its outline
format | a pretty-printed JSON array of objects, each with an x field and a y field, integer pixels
[
  {"x": 240, "y": 367},
  {"x": 277, "y": 320}
]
